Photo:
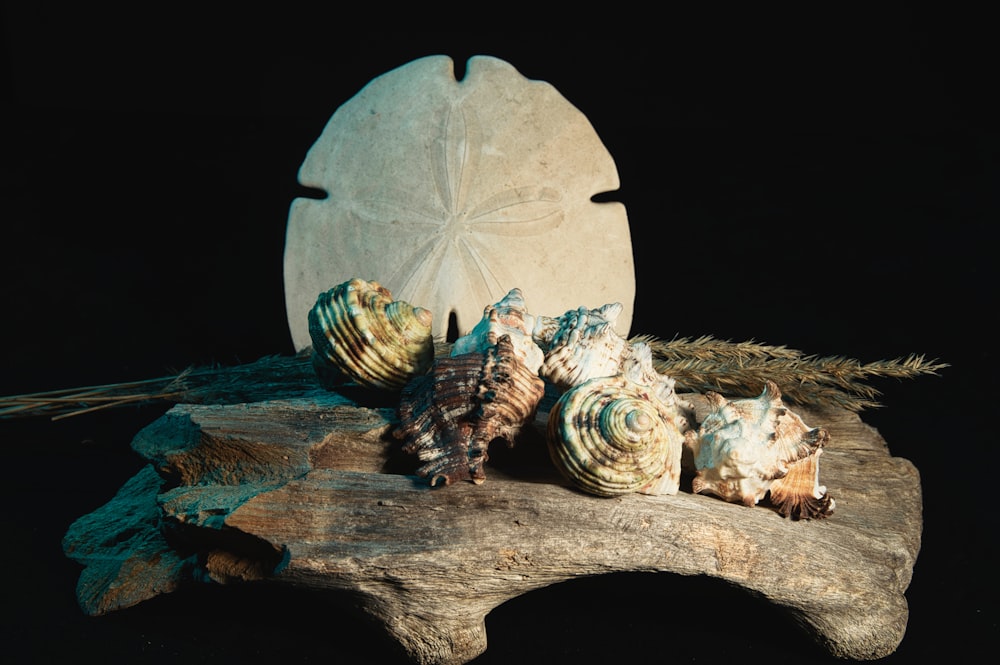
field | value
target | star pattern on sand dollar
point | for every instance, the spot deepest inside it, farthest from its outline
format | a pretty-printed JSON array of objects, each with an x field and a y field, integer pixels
[{"x": 463, "y": 232}]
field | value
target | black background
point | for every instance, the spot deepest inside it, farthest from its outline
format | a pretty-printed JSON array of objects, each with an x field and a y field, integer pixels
[{"x": 824, "y": 181}]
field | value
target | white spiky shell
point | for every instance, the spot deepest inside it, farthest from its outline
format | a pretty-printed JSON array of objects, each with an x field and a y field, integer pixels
[
  {"x": 360, "y": 334},
  {"x": 745, "y": 448},
  {"x": 509, "y": 317},
  {"x": 637, "y": 365},
  {"x": 545, "y": 330},
  {"x": 583, "y": 346},
  {"x": 609, "y": 436}
]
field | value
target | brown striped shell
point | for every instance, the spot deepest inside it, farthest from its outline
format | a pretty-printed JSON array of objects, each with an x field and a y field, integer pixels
[
  {"x": 745, "y": 448},
  {"x": 360, "y": 334},
  {"x": 449, "y": 416},
  {"x": 610, "y": 436}
]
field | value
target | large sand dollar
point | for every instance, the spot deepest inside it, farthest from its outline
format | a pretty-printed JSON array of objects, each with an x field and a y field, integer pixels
[{"x": 451, "y": 193}]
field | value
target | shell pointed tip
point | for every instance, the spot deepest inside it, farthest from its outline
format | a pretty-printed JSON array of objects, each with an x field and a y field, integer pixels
[{"x": 423, "y": 316}]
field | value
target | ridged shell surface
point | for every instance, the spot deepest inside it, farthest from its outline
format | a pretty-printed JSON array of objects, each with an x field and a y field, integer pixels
[
  {"x": 609, "y": 436},
  {"x": 359, "y": 333},
  {"x": 510, "y": 317},
  {"x": 745, "y": 448},
  {"x": 583, "y": 346},
  {"x": 637, "y": 367},
  {"x": 449, "y": 417}
]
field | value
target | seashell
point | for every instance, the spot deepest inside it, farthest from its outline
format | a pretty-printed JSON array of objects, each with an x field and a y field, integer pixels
[
  {"x": 582, "y": 345},
  {"x": 637, "y": 366},
  {"x": 799, "y": 495},
  {"x": 747, "y": 447},
  {"x": 610, "y": 436},
  {"x": 507, "y": 317},
  {"x": 585, "y": 345},
  {"x": 449, "y": 416},
  {"x": 545, "y": 330},
  {"x": 359, "y": 333}
]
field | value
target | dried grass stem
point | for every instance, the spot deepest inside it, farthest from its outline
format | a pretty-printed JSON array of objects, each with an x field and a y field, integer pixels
[{"x": 697, "y": 365}]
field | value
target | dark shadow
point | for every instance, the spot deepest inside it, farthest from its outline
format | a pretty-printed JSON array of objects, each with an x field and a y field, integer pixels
[
  {"x": 607, "y": 197},
  {"x": 314, "y": 193},
  {"x": 452, "y": 328},
  {"x": 255, "y": 622},
  {"x": 645, "y": 617}
]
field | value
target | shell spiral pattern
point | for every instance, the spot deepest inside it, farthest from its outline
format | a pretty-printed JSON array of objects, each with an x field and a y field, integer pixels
[
  {"x": 608, "y": 437},
  {"x": 359, "y": 333}
]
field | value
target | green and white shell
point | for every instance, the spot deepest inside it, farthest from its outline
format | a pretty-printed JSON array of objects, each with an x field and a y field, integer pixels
[
  {"x": 360, "y": 334},
  {"x": 581, "y": 344},
  {"x": 610, "y": 436}
]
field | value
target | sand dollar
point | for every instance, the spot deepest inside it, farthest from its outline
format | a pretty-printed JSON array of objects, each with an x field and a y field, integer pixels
[{"x": 451, "y": 193}]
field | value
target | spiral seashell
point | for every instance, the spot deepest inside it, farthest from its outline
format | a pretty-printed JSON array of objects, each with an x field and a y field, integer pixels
[
  {"x": 609, "y": 436},
  {"x": 584, "y": 346},
  {"x": 745, "y": 448},
  {"x": 359, "y": 333},
  {"x": 507, "y": 317},
  {"x": 545, "y": 330},
  {"x": 637, "y": 367},
  {"x": 449, "y": 416}
]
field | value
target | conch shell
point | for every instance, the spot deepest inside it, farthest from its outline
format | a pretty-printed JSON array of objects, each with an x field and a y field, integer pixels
[
  {"x": 580, "y": 345},
  {"x": 359, "y": 333},
  {"x": 745, "y": 448},
  {"x": 610, "y": 436},
  {"x": 637, "y": 364},
  {"x": 508, "y": 317},
  {"x": 449, "y": 417}
]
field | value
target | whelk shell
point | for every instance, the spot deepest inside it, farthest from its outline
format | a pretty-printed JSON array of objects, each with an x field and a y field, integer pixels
[
  {"x": 637, "y": 365},
  {"x": 359, "y": 333},
  {"x": 610, "y": 436},
  {"x": 449, "y": 417},
  {"x": 745, "y": 448},
  {"x": 582, "y": 345},
  {"x": 507, "y": 317}
]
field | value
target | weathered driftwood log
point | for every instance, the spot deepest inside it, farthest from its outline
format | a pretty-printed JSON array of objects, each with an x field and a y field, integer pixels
[{"x": 312, "y": 490}]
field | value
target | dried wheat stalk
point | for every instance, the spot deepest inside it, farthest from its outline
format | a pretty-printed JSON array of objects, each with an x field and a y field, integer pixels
[
  {"x": 697, "y": 365},
  {"x": 740, "y": 369}
]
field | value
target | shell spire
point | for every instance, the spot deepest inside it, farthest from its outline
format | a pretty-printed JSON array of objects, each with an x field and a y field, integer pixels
[
  {"x": 507, "y": 317},
  {"x": 609, "y": 436}
]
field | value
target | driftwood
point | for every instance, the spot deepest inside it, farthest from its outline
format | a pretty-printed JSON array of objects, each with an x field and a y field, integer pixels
[{"x": 308, "y": 488}]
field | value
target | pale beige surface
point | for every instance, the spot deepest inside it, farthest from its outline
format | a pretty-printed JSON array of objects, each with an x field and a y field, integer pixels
[{"x": 450, "y": 193}]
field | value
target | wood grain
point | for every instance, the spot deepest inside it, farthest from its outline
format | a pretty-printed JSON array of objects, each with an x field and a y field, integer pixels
[{"x": 311, "y": 490}]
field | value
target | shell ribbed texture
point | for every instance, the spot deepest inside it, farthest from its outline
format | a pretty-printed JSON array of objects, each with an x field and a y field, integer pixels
[
  {"x": 449, "y": 417},
  {"x": 608, "y": 437},
  {"x": 358, "y": 330}
]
